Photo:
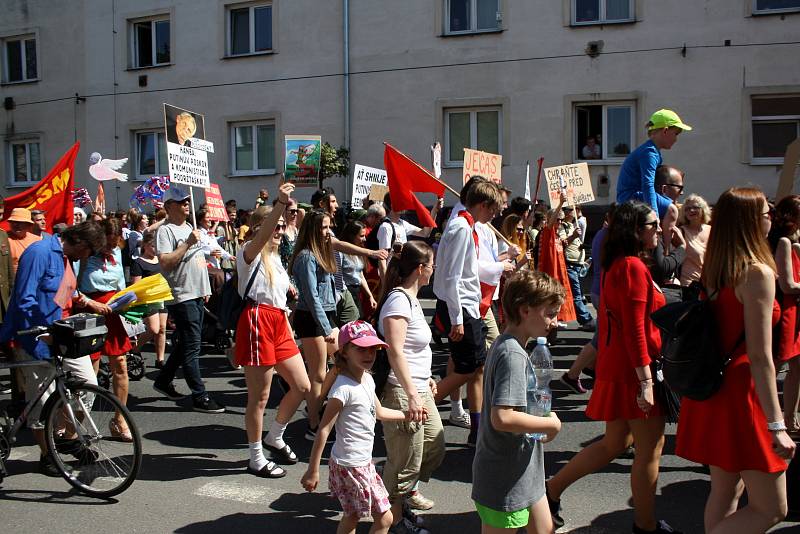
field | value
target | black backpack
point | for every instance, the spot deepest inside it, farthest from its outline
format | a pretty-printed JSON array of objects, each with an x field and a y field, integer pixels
[
  {"x": 693, "y": 362},
  {"x": 231, "y": 302},
  {"x": 372, "y": 239},
  {"x": 381, "y": 367}
]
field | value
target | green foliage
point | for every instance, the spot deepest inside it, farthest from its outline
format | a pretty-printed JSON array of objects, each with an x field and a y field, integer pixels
[{"x": 333, "y": 162}]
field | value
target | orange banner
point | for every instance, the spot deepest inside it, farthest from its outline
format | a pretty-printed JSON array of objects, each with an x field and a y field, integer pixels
[
  {"x": 215, "y": 207},
  {"x": 53, "y": 194}
]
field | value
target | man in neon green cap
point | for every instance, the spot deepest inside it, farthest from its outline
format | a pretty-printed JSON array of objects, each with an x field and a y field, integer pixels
[{"x": 637, "y": 176}]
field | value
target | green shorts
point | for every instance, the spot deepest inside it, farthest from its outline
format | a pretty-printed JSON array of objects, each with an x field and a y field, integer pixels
[{"x": 499, "y": 519}]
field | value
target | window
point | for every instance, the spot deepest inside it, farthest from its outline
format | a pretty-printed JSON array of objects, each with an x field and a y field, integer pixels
[
  {"x": 249, "y": 30},
  {"x": 476, "y": 128},
  {"x": 253, "y": 148},
  {"x": 776, "y": 123},
  {"x": 471, "y": 16},
  {"x": 151, "y": 154},
  {"x": 775, "y": 6},
  {"x": 601, "y": 11},
  {"x": 19, "y": 59},
  {"x": 151, "y": 44},
  {"x": 25, "y": 161},
  {"x": 604, "y": 131}
]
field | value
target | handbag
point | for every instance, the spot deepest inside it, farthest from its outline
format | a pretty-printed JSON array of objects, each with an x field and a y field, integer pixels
[{"x": 662, "y": 393}]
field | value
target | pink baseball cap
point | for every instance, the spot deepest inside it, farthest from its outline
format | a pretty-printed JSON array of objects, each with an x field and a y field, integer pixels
[{"x": 361, "y": 333}]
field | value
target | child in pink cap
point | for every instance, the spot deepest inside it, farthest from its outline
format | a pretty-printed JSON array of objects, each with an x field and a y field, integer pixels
[{"x": 353, "y": 408}]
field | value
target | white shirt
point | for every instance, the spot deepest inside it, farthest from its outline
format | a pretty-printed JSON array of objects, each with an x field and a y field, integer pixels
[
  {"x": 454, "y": 213},
  {"x": 416, "y": 346},
  {"x": 490, "y": 269},
  {"x": 355, "y": 426},
  {"x": 209, "y": 244},
  {"x": 273, "y": 294},
  {"x": 402, "y": 230},
  {"x": 456, "y": 281}
]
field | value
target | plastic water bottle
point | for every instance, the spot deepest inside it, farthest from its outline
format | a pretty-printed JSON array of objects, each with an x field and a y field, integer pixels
[{"x": 539, "y": 395}]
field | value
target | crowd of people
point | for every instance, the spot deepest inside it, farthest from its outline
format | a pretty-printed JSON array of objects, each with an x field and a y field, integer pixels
[{"x": 332, "y": 306}]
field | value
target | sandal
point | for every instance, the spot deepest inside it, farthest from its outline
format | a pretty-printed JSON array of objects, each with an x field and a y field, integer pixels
[
  {"x": 271, "y": 470},
  {"x": 118, "y": 433},
  {"x": 285, "y": 454}
]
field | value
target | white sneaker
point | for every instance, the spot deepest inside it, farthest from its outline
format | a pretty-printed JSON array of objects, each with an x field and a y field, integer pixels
[{"x": 460, "y": 420}]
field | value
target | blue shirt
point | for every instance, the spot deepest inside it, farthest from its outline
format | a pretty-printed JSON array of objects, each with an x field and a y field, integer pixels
[
  {"x": 41, "y": 268},
  {"x": 100, "y": 275},
  {"x": 637, "y": 176},
  {"x": 597, "y": 269}
]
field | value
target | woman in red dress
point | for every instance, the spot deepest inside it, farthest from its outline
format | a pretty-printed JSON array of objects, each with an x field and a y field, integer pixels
[
  {"x": 628, "y": 343},
  {"x": 739, "y": 432},
  {"x": 783, "y": 239}
]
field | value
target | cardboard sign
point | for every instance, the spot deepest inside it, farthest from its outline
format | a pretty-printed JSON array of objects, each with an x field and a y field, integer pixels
[
  {"x": 483, "y": 164},
  {"x": 363, "y": 179},
  {"x": 215, "y": 206},
  {"x": 302, "y": 159},
  {"x": 378, "y": 192},
  {"x": 790, "y": 160},
  {"x": 436, "y": 159},
  {"x": 574, "y": 180},
  {"x": 187, "y": 165}
]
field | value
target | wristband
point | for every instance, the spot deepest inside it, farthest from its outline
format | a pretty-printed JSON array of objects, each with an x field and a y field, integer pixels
[
  {"x": 645, "y": 380},
  {"x": 777, "y": 426}
]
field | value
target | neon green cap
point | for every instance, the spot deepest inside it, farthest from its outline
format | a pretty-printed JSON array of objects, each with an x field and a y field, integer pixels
[{"x": 664, "y": 118}]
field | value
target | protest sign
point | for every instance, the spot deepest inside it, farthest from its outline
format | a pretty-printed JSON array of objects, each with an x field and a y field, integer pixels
[
  {"x": 378, "y": 192},
  {"x": 187, "y": 165},
  {"x": 790, "y": 160},
  {"x": 436, "y": 159},
  {"x": 363, "y": 178},
  {"x": 573, "y": 179},
  {"x": 215, "y": 207},
  {"x": 302, "y": 159},
  {"x": 483, "y": 164}
]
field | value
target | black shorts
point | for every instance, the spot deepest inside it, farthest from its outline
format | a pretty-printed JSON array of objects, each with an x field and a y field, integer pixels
[
  {"x": 304, "y": 324},
  {"x": 470, "y": 353}
]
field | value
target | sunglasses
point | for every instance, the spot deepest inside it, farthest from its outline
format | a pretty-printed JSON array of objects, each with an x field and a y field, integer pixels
[
  {"x": 520, "y": 230},
  {"x": 651, "y": 224},
  {"x": 280, "y": 227},
  {"x": 293, "y": 211}
]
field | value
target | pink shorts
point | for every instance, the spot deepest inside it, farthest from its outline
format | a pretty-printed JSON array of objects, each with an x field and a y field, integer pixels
[
  {"x": 360, "y": 490},
  {"x": 263, "y": 336}
]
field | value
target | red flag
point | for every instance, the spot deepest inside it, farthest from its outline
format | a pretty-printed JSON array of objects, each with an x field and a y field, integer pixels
[
  {"x": 406, "y": 177},
  {"x": 53, "y": 194}
]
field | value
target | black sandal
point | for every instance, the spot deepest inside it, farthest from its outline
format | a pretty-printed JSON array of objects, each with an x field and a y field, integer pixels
[
  {"x": 271, "y": 470},
  {"x": 285, "y": 454}
]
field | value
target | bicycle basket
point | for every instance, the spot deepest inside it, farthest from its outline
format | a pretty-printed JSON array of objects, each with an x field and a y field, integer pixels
[{"x": 79, "y": 335}]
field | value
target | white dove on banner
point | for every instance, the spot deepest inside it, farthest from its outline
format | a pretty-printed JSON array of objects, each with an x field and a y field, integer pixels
[{"x": 106, "y": 169}]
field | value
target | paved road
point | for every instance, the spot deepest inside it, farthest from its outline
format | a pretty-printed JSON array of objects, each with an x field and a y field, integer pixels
[{"x": 193, "y": 478}]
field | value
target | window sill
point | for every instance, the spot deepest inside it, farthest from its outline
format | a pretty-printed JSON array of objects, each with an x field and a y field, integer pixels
[
  {"x": 765, "y": 162},
  {"x": 601, "y": 23},
  {"x": 251, "y": 54},
  {"x": 266, "y": 173},
  {"x": 21, "y": 82},
  {"x": 159, "y": 66},
  {"x": 472, "y": 33},
  {"x": 767, "y": 13},
  {"x": 25, "y": 185}
]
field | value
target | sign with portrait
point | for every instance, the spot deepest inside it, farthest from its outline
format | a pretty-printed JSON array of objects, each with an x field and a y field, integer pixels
[{"x": 187, "y": 164}]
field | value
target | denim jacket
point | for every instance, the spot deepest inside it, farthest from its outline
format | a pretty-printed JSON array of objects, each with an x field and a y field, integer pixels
[{"x": 316, "y": 289}]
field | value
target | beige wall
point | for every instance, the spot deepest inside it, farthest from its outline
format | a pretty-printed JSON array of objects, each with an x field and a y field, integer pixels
[{"x": 393, "y": 96}]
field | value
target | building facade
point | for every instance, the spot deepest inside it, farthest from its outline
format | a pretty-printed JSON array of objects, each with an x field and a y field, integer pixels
[{"x": 566, "y": 80}]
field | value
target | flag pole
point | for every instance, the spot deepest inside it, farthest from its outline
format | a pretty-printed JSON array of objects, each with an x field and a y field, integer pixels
[
  {"x": 426, "y": 171},
  {"x": 538, "y": 179}
]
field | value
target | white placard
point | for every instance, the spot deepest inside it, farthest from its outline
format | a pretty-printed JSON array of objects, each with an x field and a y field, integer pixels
[
  {"x": 363, "y": 179},
  {"x": 201, "y": 144},
  {"x": 188, "y": 166}
]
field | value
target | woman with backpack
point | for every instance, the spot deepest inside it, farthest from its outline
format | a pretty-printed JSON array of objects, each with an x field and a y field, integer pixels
[
  {"x": 414, "y": 448},
  {"x": 739, "y": 431},
  {"x": 628, "y": 344},
  {"x": 264, "y": 339}
]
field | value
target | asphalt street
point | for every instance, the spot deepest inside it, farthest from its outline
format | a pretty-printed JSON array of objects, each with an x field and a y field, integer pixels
[{"x": 193, "y": 478}]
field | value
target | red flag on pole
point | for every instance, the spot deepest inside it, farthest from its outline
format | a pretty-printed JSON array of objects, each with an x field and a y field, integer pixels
[
  {"x": 53, "y": 194},
  {"x": 406, "y": 177}
]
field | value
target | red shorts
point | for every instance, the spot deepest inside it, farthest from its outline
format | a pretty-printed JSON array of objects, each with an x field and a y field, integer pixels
[
  {"x": 263, "y": 336},
  {"x": 117, "y": 341}
]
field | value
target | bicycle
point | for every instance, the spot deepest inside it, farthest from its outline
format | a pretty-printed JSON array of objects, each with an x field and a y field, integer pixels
[{"x": 77, "y": 415}]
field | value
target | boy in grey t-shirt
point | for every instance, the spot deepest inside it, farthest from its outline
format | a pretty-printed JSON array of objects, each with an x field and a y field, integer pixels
[{"x": 508, "y": 469}]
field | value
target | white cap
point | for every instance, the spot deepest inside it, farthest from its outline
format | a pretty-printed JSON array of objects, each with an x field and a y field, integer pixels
[{"x": 541, "y": 341}]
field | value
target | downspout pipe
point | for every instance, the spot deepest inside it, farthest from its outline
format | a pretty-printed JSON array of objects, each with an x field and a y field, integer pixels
[{"x": 346, "y": 28}]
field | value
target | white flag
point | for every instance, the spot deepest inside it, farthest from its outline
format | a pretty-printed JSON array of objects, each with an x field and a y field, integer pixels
[{"x": 527, "y": 180}]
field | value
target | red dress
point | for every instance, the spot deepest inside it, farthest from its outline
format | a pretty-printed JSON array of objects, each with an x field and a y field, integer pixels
[
  {"x": 729, "y": 430},
  {"x": 627, "y": 339},
  {"x": 788, "y": 342},
  {"x": 552, "y": 262}
]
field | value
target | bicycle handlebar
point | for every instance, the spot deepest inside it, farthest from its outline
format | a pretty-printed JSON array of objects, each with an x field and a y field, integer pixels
[{"x": 35, "y": 331}]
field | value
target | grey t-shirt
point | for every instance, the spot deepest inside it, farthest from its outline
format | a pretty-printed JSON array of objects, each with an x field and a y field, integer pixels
[
  {"x": 189, "y": 280},
  {"x": 508, "y": 469}
]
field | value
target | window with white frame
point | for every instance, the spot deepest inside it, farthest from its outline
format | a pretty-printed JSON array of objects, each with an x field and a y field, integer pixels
[
  {"x": 601, "y": 11},
  {"x": 25, "y": 162},
  {"x": 472, "y": 16},
  {"x": 20, "y": 59},
  {"x": 253, "y": 148},
  {"x": 776, "y": 123},
  {"x": 150, "y": 42},
  {"x": 478, "y": 128},
  {"x": 151, "y": 154},
  {"x": 249, "y": 29},
  {"x": 775, "y": 6},
  {"x": 604, "y": 131}
]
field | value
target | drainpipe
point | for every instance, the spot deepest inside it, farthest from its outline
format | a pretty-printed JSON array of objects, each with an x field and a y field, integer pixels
[{"x": 346, "y": 27}]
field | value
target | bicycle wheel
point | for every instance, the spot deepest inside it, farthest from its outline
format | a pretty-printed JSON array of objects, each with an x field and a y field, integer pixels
[{"x": 86, "y": 454}]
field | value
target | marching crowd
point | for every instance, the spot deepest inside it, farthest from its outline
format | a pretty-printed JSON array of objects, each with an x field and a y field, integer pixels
[{"x": 331, "y": 304}]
